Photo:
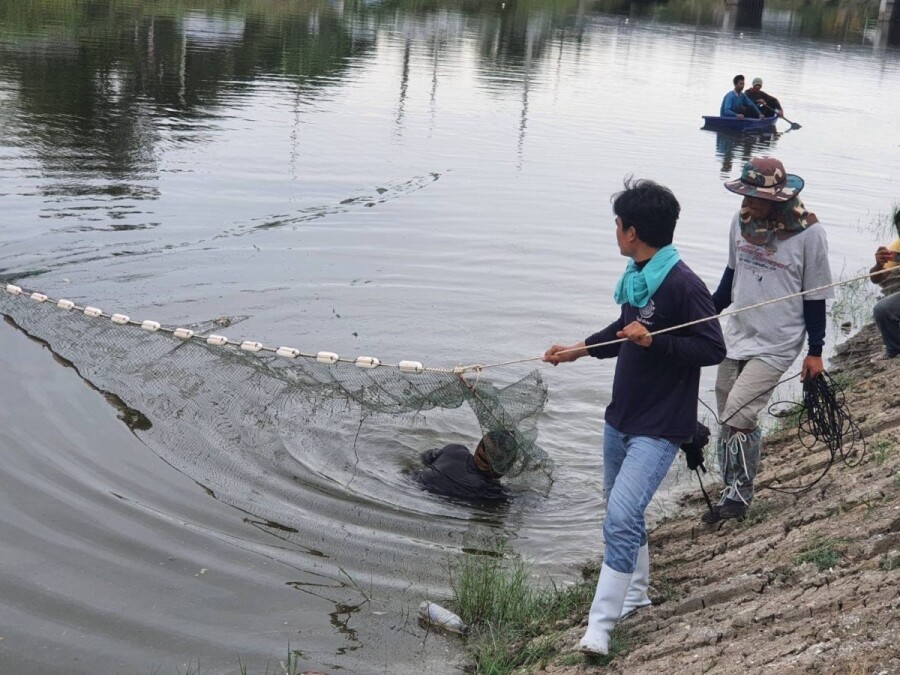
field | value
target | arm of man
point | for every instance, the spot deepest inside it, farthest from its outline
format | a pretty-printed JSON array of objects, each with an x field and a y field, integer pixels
[
  {"x": 563, "y": 354},
  {"x": 722, "y": 296},
  {"x": 746, "y": 100},
  {"x": 699, "y": 345},
  {"x": 429, "y": 456},
  {"x": 882, "y": 255},
  {"x": 815, "y": 318},
  {"x": 816, "y": 274}
]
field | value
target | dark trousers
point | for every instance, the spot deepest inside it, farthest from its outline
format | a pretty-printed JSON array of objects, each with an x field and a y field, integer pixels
[{"x": 748, "y": 111}]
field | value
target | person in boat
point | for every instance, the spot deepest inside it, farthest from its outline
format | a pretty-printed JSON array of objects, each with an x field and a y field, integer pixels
[
  {"x": 653, "y": 409},
  {"x": 737, "y": 104},
  {"x": 768, "y": 104},
  {"x": 776, "y": 248},
  {"x": 886, "y": 273},
  {"x": 455, "y": 472}
]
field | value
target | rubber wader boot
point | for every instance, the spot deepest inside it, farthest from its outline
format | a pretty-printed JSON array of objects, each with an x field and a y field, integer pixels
[
  {"x": 636, "y": 597},
  {"x": 605, "y": 611}
]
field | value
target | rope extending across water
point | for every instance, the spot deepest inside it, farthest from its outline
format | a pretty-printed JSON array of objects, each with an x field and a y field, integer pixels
[
  {"x": 372, "y": 362},
  {"x": 867, "y": 275}
]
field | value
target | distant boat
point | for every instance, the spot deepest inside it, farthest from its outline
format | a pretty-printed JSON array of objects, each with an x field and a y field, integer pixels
[{"x": 735, "y": 125}]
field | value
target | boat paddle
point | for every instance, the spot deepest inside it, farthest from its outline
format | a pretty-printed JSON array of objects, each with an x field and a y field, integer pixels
[{"x": 794, "y": 125}]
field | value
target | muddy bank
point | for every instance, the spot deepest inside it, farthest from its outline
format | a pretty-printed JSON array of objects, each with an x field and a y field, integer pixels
[{"x": 806, "y": 583}]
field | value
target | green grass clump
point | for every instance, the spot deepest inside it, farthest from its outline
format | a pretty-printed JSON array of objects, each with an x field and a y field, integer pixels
[
  {"x": 759, "y": 512},
  {"x": 881, "y": 449},
  {"x": 516, "y": 622},
  {"x": 890, "y": 561},
  {"x": 824, "y": 554}
]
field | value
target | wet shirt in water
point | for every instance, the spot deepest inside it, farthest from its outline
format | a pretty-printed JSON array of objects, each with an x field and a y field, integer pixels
[{"x": 451, "y": 471}]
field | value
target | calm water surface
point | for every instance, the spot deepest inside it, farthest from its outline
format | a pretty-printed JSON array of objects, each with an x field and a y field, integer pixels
[{"x": 430, "y": 184}]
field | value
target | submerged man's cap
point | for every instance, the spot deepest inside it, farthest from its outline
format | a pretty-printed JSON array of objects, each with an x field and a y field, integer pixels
[
  {"x": 757, "y": 81},
  {"x": 765, "y": 178}
]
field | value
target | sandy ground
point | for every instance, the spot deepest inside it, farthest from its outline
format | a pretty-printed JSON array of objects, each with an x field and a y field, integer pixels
[{"x": 807, "y": 583}]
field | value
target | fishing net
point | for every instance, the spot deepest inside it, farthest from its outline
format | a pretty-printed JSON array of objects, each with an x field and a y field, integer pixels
[{"x": 196, "y": 384}]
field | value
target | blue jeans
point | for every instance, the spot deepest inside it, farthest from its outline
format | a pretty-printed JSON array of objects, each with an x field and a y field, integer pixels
[
  {"x": 633, "y": 468},
  {"x": 887, "y": 318}
]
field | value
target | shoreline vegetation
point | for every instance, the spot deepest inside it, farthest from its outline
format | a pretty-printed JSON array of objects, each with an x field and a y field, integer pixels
[{"x": 807, "y": 582}]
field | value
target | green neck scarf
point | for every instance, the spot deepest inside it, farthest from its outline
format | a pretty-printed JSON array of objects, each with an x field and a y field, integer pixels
[{"x": 637, "y": 286}]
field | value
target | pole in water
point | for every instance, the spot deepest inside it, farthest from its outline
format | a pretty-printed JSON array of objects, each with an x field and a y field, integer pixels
[{"x": 441, "y": 617}]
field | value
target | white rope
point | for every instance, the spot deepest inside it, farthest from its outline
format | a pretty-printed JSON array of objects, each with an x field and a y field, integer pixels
[
  {"x": 868, "y": 275},
  {"x": 186, "y": 334},
  {"x": 370, "y": 362}
]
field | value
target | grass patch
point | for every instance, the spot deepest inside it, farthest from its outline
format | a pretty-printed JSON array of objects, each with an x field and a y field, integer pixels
[
  {"x": 881, "y": 449},
  {"x": 516, "y": 622},
  {"x": 824, "y": 554},
  {"x": 289, "y": 666},
  {"x": 759, "y": 512},
  {"x": 890, "y": 561},
  {"x": 853, "y": 301},
  {"x": 669, "y": 591}
]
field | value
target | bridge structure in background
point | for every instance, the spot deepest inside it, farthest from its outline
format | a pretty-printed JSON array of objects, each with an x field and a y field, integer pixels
[{"x": 882, "y": 31}]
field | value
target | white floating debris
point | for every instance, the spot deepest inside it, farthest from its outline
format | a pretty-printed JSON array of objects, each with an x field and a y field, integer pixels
[
  {"x": 65, "y": 304},
  {"x": 367, "y": 362},
  {"x": 442, "y": 618},
  {"x": 93, "y": 312},
  {"x": 288, "y": 352},
  {"x": 120, "y": 319},
  {"x": 411, "y": 366},
  {"x": 13, "y": 290},
  {"x": 217, "y": 340},
  {"x": 39, "y": 297},
  {"x": 250, "y": 346},
  {"x": 327, "y": 357},
  {"x": 152, "y": 326},
  {"x": 184, "y": 333}
]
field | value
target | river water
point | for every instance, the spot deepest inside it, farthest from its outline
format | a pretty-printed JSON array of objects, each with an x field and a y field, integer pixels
[{"x": 407, "y": 180}]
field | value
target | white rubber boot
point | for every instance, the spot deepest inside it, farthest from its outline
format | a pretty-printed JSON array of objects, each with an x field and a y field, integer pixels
[
  {"x": 605, "y": 611},
  {"x": 637, "y": 597}
]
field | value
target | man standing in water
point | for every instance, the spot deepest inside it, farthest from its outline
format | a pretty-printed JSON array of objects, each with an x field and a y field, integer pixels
[
  {"x": 454, "y": 472},
  {"x": 654, "y": 396},
  {"x": 776, "y": 248}
]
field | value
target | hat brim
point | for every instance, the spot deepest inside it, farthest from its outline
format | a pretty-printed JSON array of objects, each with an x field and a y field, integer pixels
[{"x": 785, "y": 192}]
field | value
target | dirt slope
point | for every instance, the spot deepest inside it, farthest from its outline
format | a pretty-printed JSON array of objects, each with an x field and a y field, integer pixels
[{"x": 806, "y": 584}]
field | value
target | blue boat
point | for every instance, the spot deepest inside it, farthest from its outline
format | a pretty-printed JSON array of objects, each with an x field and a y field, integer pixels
[{"x": 735, "y": 125}]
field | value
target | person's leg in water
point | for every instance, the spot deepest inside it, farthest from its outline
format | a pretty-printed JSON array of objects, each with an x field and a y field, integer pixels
[
  {"x": 634, "y": 466},
  {"x": 743, "y": 389}
]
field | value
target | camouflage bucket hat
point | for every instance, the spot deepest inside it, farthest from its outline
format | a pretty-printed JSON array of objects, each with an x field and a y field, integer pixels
[{"x": 765, "y": 178}]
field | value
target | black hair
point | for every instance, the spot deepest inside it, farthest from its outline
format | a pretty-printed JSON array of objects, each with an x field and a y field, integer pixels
[
  {"x": 736, "y": 78},
  {"x": 650, "y": 208},
  {"x": 897, "y": 220}
]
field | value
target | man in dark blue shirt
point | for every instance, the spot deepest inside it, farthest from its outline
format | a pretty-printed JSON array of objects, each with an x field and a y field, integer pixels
[
  {"x": 654, "y": 397},
  {"x": 454, "y": 472}
]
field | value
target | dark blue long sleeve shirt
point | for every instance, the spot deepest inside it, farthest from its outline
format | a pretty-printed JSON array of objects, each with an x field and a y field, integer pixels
[
  {"x": 451, "y": 471},
  {"x": 655, "y": 388}
]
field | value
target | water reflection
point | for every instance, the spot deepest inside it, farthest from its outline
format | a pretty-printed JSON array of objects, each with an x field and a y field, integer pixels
[
  {"x": 92, "y": 114},
  {"x": 737, "y": 149}
]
